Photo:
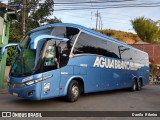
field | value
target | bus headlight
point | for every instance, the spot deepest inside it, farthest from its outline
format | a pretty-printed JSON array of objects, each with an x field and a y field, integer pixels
[
  {"x": 30, "y": 82},
  {"x": 33, "y": 81},
  {"x": 37, "y": 80}
]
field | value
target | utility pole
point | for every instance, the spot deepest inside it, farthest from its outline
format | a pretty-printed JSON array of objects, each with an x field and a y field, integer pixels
[
  {"x": 97, "y": 15},
  {"x": 100, "y": 22},
  {"x": 24, "y": 18}
]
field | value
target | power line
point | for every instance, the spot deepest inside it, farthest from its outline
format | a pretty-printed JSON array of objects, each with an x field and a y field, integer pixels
[
  {"x": 80, "y": 5},
  {"x": 117, "y": 14},
  {"x": 102, "y": 5},
  {"x": 85, "y": 8},
  {"x": 112, "y": 1},
  {"x": 79, "y": 17}
]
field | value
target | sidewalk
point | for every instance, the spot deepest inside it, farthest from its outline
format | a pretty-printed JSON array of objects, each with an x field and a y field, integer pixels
[{"x": 4, "y": 91}]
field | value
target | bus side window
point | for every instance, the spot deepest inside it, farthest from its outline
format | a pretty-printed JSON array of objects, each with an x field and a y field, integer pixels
[
  {"x": 88, "y": 44},
  {"x": 125, "y": 53}
]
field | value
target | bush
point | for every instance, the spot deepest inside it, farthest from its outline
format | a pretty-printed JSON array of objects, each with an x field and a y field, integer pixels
[{"x": 10, "y": 55}]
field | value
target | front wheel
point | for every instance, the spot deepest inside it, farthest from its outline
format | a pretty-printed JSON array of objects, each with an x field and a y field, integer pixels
[{"x": 73, "y": 92}]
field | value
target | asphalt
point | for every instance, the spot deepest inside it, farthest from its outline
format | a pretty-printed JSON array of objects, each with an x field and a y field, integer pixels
[{"x": 148, "y": 99}]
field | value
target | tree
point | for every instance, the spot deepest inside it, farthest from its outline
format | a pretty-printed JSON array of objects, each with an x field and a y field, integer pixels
[
  {"x": 146, "y": 29},
  {"x": 54, "y": 20},
  {"x": 36, "y": 15}
]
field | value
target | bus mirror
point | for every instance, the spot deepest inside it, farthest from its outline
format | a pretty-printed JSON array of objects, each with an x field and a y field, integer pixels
[{"x": 9, "y": 45}]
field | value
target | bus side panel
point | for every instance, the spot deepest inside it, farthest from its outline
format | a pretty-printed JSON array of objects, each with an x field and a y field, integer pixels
[
  {"x": 50, "y": 86},
  {"x": 93, "y": 76},
  {"x": 108, "y": 79},
  {"x": 127, "y": 79},
  {"x": 66, "y": 74},
  {"x": 117, "y": 78},
  {"x": 77, "y": 72},
  {"x": 144, "y": 74}
]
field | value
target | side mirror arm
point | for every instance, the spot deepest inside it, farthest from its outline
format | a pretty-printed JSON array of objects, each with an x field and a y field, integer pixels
[{"x": 9, "y": 45}]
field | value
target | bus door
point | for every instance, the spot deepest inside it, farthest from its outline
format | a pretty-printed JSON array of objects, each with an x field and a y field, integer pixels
[{"x": 51, "y": 73}]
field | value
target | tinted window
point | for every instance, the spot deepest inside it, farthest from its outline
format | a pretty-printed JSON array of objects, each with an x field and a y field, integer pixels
[
  {"x": 134, "y": 55},
  {"x": 71, "y": 34},
  {"x": 125, "y": 53},
  {"x": 93, "y": 45}
]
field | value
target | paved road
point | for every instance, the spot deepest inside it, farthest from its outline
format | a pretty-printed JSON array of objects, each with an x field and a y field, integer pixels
[{"x": 148, "y": 99}]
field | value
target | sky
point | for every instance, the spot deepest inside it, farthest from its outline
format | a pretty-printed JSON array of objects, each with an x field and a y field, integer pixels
[{"x": 112, "y": 18}]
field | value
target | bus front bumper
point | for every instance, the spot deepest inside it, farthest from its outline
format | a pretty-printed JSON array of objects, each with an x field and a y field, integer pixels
[{"x": 28, "y": 92}]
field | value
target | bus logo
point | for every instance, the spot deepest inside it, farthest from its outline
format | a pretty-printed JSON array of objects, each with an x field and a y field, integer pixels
[{"x": 111, "y": 63}]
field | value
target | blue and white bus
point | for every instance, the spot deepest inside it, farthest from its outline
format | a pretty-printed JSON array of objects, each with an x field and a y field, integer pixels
[{"x": 68, "y": 60}]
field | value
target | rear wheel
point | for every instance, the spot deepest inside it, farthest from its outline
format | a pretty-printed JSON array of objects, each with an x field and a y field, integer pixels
[
  {"x": 134, "y": 85},
  {"x": 73, "y": 92},
  {"x": 139, "y": 85}
]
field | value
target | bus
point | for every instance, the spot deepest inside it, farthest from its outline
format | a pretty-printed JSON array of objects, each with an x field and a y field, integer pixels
[{"x": 65, "y": 59}]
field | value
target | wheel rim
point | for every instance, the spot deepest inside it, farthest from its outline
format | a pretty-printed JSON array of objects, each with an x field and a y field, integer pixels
[{"x": 75, "y": 91}]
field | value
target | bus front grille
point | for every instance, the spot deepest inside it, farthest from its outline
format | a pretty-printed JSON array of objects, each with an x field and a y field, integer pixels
[{"x": 14, "y": 85}]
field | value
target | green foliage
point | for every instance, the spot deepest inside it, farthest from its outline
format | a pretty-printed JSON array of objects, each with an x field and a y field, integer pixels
[
  {"x": 55, "y": 20},
  {"x": 44, "y": 10},
  {"x": 15, "y": 32},
  {"x": 36, "y": 15},
  {"x": 146, "y": 29},
  {"x": 10, "y": 55}
]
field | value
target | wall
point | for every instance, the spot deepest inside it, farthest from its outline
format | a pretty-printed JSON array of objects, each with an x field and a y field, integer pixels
[{"x": 153, "y": 51}]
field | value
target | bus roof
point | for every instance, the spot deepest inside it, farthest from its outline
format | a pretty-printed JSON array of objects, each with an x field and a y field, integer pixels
[{"x": 85, "y": 30}]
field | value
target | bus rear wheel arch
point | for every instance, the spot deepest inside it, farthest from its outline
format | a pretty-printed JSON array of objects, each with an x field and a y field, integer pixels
[{"x": 75, "y": 88}]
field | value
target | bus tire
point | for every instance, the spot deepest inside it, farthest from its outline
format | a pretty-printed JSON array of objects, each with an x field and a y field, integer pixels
[
  {"x": 139, "y": 85},
  {"x": 73, "y": 92},
  {"x": 134, "y": 85}
]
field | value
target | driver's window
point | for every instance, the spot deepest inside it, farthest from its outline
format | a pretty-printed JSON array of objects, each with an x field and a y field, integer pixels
[{"x": 50, "y": 56}]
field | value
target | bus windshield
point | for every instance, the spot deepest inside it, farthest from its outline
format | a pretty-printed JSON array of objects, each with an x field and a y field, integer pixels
[
  {"x": 29, "y": 60},
  {"x": 25, "y": 60}
]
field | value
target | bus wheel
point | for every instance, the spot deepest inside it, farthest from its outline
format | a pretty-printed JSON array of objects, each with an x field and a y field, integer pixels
[
  {"x": 134, "y": 85},
  {"x": 73, "y": 91},
  {"x": 139, "y": 85}
]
